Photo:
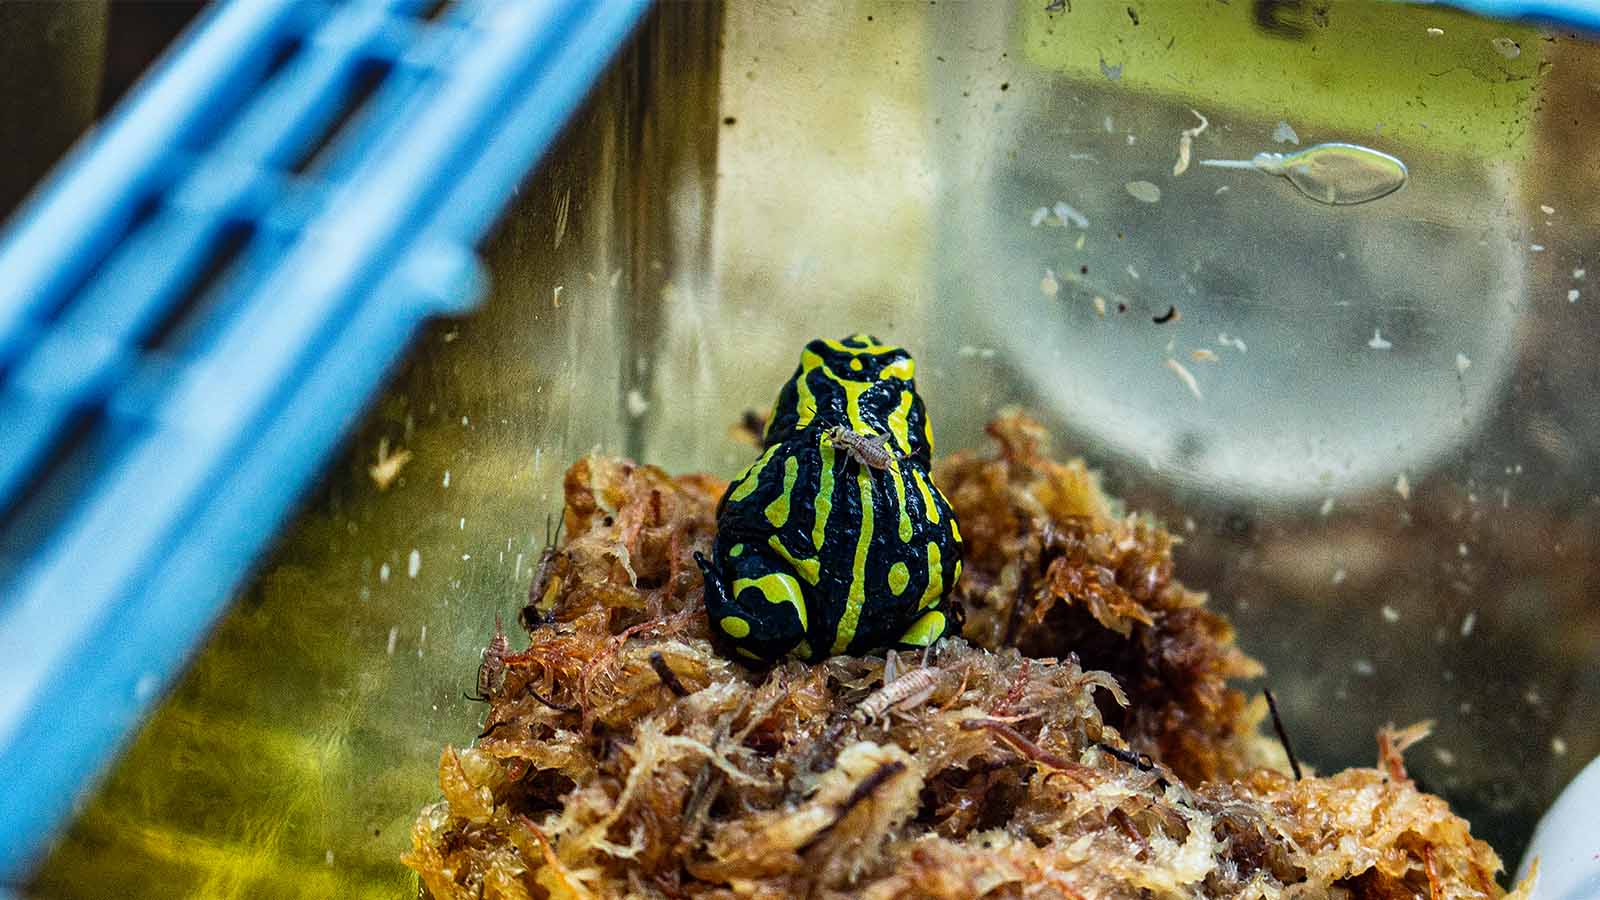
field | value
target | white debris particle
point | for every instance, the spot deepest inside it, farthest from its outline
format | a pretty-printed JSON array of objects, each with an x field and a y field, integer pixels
[
  {"x": 1579, "y": 273},
  {"x": 1461, "y": 550},
  {"x": 1363, "y": 667},
  {"x": 422, "y": 639},
  {"x": 446, "y": 477},
  {"x": 1531, "y": 696},
  {"x": 1143, "y": 191},
  {"x": 1189, "y": 524},
  {"x": 463, "y": 421},
  {"x": 1572, "y": 295},
  {"x": 1234, "y": 342},
  {"x": 146, "y": 687},
  {"x": 1079, "y": 244},
  {"x": 1048, "y": 284},
  {"x": 413, "y": 563},
  {"x": 1186, "y": 143},
  {"x": 383, "y": 573},
  {"x": 986, "y": 353},
  {"x": 1066, "y": 215},
  {"x": 1506, "y": 47},
  {"x": 1284, "y": 134},
  {"x": 1039, "y": 215},
  {"x": 1558, "y": 746},
  {"x": 388, "y": 466},
  {"x": 1326, "y": 507},
  {"x": 1110, "y": 126},
  {"x": 1468, "y": 622},
  {"x": 1547, "y": 210},
  {"x": 1435, "y": 32},
  {"x": 327, "y": 858},
  {"x": 555, "y": 296},
  {"x": 394, "y": 635},
  {"x": 1100, "y": 306},
  {"x": 637, "y": 404},
  {"x": 1378, "y": 342},
  {"x": 1444, "y": 756},
  {"x": 966, "y": 350},
  {"x": 1339, "y": 575},
  {"x": 1462, "y": 363},
  {"x": 466, "y": 556},
  {"x": 1390, "y": 614},
  {"x": 1221, "y": 190},
  {"x": 1186, "y": 377},
  {"x": 1202, "y": 355},
  {"x": 1131, "y": 139},
  {"x": 1132, "y": 272},
  {"x": 1402, "y": 487},
  {"x": 1536, "y": 248},
  {"x": 463, "y": 524}
]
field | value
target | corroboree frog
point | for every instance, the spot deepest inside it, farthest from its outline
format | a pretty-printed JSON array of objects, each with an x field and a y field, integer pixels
[{"x": 837, "y": 540}]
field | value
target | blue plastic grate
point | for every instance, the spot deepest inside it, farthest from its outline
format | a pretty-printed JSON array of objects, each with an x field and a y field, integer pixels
[{"x": 197, "y": 306}]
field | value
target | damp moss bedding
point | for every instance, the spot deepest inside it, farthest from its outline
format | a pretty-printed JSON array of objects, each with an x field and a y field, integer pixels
[{"x": 1085, "y": 735}]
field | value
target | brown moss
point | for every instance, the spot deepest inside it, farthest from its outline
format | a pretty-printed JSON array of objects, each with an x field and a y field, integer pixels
[{"x": 1016, "y": 774}]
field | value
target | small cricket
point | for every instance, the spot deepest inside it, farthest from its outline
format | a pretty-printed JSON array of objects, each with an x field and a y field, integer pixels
[{"x": 871, "y": 451}]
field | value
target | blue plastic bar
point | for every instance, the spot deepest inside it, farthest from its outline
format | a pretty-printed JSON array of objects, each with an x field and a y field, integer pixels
[
  {"x": 95, "y": 191},
  {"x": 1583, "y": 14},
  {"x": 202, "y": 444}
]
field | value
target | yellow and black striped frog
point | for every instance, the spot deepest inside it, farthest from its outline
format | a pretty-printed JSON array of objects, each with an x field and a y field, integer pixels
[{"x": 836, "y": 540}]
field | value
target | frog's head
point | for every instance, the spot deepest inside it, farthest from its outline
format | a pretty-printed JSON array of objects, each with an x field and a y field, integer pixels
[{"x": 858, "y": 382}]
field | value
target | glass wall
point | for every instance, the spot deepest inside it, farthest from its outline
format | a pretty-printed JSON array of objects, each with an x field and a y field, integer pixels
[{"x": 1370, "y": 421}]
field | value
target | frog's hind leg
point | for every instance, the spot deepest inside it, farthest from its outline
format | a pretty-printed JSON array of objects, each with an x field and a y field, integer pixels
[{"x": 757, "y": 607}]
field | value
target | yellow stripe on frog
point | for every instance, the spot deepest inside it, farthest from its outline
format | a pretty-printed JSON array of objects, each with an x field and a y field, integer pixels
[
  {"x": 900, "y": 494},
  {"x": 930, "y": 596},
  {"x": 751, "y": 479},
  {"x": 811, "y": 362},
  {"x": 868, "y": 348},
  {"x": 824, "y": 504},
  {"x": 858, "y": 575},
  {"x": 924, "y": 631},
  {"x": 809, "y": 569},
  {"x": 778, "y": 509},
  {"x": 905, "y": 367},
  {"x": 927, "y": 496},
  {"x": 777, "y": 588},
  {"x": 899, "y": 423}
]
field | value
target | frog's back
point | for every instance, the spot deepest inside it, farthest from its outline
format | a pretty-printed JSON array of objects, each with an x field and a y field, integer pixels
[{"x": 811, "y": 539}]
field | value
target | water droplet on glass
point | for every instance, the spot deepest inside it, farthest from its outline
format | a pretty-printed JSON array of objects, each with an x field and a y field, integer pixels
[{"x": 1336, "y": 174}]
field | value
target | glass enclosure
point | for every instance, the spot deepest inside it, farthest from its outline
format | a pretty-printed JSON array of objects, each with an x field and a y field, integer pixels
[{"x": 1371, "y": 422}]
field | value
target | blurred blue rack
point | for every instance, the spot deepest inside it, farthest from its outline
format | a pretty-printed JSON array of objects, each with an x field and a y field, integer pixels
[
  {"x": 1580, "y": 14},
  {"x": 199, "y": 303}
]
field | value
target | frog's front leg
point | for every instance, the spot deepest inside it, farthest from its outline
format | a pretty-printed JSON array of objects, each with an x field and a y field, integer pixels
[{"x": 756, "y": 606}]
